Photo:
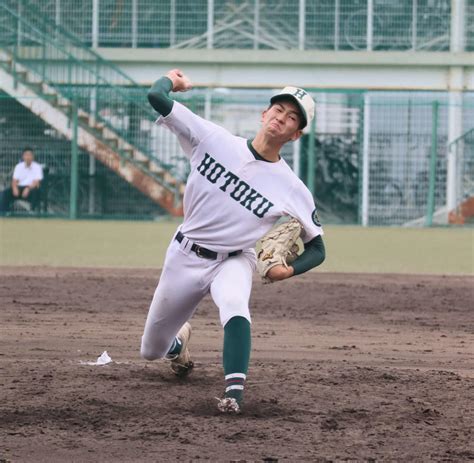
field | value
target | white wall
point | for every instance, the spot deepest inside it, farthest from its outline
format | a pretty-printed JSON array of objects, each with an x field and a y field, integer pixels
[{"x": 273, "y": 69}]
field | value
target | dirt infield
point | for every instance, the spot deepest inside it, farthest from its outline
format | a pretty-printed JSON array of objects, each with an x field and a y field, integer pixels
[{"x": 344, "y": 367}]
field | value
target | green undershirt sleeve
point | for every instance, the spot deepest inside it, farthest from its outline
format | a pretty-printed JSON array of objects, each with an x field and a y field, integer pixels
[
  {"x": 158, "y": 96},
  {"x": 313, "y": 255}
]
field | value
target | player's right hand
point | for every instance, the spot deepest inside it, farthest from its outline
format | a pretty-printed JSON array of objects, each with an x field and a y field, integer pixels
[
  {"x": 280, "y": 272},
  {"x": 181, "y": 83}
]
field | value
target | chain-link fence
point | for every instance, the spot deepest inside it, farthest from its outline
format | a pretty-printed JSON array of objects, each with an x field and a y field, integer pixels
[
  {"x": 262, "y": 24},
  {"x": 376, "y": 158},
  {"x": 462, "y": 151},
  {"x": 100, "y": 193}
]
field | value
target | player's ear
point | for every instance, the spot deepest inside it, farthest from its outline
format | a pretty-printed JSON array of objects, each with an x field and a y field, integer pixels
[
  {"x": 264, "y": 113},
  {"x": 296, "y": 135}
]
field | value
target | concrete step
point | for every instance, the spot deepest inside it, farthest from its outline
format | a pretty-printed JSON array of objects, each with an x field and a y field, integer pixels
[
  {"x": 36, "y": 86},
  {"x": 112, "y": 141},
  {"x": 144, "y": 164},
  {"x": 63, "y": 103},
  {"x": 21, "y": 74},
  {"x": 129, "y": 152}
]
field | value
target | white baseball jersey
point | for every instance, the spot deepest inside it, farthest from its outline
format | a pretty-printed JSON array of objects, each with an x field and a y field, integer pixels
[
  {"x": 231, "y": 198},
  {"x": 27, "y": 175}
]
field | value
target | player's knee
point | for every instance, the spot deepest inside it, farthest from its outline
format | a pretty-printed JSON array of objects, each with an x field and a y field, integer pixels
[
  {"x": 235, "y": 310},
  {"x": 146, "y": 354},
  {"x": 149, "y": 353},
  {"x": 234, "y": 303}
]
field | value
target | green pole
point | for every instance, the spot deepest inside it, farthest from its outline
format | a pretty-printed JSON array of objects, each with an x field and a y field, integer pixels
[
  {"x": 15, "y": 54},
  {"x": 433, "y": 161},
  {"x": 311, "y": 158},
  {"x": 43, "y": 60},
  {"x": 74, "y": 165},
  {"x": 69, "y": 75}
]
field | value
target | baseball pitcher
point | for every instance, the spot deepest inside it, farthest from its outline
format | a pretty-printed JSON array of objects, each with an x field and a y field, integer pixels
[{"x": 237, "y": 190}]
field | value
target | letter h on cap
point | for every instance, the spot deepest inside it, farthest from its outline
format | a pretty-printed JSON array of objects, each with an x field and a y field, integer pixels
[{"x": 300, "y": 93}]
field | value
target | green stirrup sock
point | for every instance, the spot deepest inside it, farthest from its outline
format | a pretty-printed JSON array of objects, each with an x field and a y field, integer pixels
[{"x": 236, "y": 356}]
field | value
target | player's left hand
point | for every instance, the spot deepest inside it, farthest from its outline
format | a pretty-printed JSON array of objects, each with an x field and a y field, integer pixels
[
  {"x": 278, "y": 250},
  {"x": 280, "y": 272}
]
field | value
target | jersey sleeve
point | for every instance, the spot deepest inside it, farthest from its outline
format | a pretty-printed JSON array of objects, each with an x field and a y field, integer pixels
[
  {"x": 301, "y": 206},
  {"x": 39, "y": 172},
  {"x": 189, "y": 128}
]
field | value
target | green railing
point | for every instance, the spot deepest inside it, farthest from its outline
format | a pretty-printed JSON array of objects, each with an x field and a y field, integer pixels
[
  {"x": 94, "y": 85},
  {"x": 17, "y": 14}
]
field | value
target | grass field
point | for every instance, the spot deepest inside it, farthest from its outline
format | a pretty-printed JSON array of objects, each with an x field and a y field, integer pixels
[{"x": 143, "y": 244}]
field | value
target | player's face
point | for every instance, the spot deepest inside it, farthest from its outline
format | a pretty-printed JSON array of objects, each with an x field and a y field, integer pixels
[
  {"x": 282, "y": 121},
  {"x": 28, "y": 157}
]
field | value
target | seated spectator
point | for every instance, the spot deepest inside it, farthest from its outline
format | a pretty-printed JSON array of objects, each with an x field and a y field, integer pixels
[{"x": 25, "y": 184}]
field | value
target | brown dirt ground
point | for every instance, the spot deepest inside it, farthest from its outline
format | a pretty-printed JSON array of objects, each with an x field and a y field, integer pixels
[{"x": 364, "y": 367}]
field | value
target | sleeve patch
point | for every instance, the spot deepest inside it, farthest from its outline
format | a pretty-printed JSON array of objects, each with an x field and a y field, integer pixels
[{"x": 315, "y": 218}]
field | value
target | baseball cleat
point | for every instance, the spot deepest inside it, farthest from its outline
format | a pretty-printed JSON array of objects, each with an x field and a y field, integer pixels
[
  {"x": 181, "y": 365},
  {"x": 228, "y": 405}
]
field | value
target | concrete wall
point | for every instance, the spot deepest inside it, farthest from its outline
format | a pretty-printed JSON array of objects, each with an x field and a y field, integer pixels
[{"x": 444, "y": 71}]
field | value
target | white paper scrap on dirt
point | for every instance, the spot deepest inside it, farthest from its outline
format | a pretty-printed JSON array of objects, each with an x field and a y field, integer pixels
[{"x": 103, "y": 359}]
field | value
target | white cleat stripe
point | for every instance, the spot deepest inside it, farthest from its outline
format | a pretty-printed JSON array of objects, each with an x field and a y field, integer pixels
[
  {"x": 236, "y": 375},
  {"x": 235, "y": 386}
]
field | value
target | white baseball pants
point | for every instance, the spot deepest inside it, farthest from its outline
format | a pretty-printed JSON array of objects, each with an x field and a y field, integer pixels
[{"x": 185, "y": 280}]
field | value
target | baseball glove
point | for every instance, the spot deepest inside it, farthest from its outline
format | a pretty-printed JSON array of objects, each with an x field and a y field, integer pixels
[{"x": 279, "y": 247}]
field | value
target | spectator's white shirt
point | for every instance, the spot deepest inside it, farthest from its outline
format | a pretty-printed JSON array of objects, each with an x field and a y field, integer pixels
[{"x": 27, "y": 175}]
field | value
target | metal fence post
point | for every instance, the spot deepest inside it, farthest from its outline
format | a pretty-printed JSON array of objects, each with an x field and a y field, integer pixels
[
  {"x": 16, "y": 46},
  {"x": 74, "y": 164},
  {"x": 14, "y": 70},
  {"x": 95, "y": 24},
  {"x": 458, "y": 26},
  {"x": 18, "y": 24},
  {"x": 69, "y": 74},
  {"x": 360, "y": 157},
  {"x": 366, "y": 161},
  {"x": 210, "y": 24},
  {"x": 57, "y": 17},
  {"x": 134, "y": 23},
  {"x": 455, "y": 130},
  {"x": 296, "y": 157},
  {"x": 43, "y": 60},
  {"x": 256, "y": 24},
  {"x": 302, "y": 25},
  {"x": 337, "y": 11},
  {"x": 370, "y": 25},
  {"x": 414, "y": 24},
  {"x": 433, "y": 161},
  {"x": 311, "y": 164},
  {"x": 172, "y": 23}
]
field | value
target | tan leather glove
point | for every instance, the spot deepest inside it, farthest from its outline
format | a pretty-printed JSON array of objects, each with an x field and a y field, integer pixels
[{"x": 278, "y": 247}]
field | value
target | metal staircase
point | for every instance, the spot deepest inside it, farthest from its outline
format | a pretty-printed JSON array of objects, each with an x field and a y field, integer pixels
[{"x": 60, "y": 80}]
